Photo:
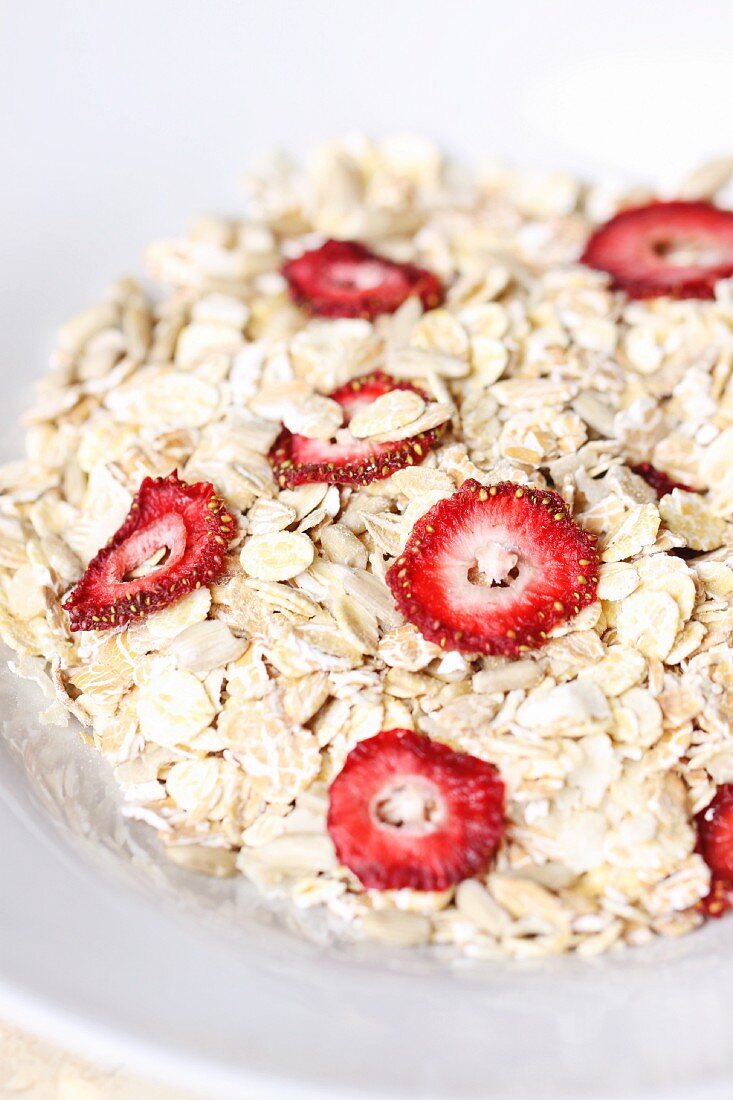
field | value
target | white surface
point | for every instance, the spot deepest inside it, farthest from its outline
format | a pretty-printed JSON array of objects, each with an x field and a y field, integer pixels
[
  {"x": 119, "y": 122},
  {"x": 36, "y": 1070},
  {"x": 109, "y": 952}
]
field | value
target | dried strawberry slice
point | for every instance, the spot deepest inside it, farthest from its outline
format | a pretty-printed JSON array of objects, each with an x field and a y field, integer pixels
[
  {"x": 346, "y": 279},
  {"x": 296, "y": 458},
  {"x": 189, "y": 522},
  {"x": 661, "y": 483},
  {"x": 493, "y": 570},
  {"x": 715, "y": 844},
  {"x": 408, "y": 812},
  {"x": 719, "y": 900},
  {"x": 675, "y": 248}
]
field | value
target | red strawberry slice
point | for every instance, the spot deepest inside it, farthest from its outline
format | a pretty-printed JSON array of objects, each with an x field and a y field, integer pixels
[
  {"x": 719, "y": 900},
  {"x": 675, "y": 248},
  {"x": 493, "y": 570},
  {"x": 715, "y": 843},
  {"x": 661, "y": 483},
  {"x": 296, "y": 458},
  {"x": 346, "y": 279},
  {"x": 189, "y": 522},
  {"x": 408, "y": 812}
]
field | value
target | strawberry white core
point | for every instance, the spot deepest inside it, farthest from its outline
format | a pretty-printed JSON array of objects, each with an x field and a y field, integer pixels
[
  {"x": 494, "y": 565},
  {"x": 168, "y": 533},
  {"x": 691, "y": 253},
  {"x": 410, "y": 805},
  {"x": 485, "y": 568},
  {"x": 361, "y": 276}
]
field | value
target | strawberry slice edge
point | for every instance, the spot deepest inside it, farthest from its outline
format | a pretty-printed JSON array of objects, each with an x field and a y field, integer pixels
[
  {"x": 496, "y": 526},
  {"x": 715, "y": 845},
  {"x": 660, "y": 482},
  {"x": 409, "y": 812},
  {"x": 634, "y": 248},
  {"x": 297, "y": 460},
  {"x": 189, "y": 520},
  {"x": 346, "y": 279}
]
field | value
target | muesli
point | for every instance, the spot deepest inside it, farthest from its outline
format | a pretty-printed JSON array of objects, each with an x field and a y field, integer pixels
[{"x": 385, "y": 549}]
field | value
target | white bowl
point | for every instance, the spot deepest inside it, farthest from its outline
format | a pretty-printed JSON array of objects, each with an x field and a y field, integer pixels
[
  {"x": 128, "y": 119},
  {"x": 112, "y": 951}
]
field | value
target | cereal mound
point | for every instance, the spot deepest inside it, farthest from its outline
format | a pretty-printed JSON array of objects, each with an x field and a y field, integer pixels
[{"x": 228, "y": 714}]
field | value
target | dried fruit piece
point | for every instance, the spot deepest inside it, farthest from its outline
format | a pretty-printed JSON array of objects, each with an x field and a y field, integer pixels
[
  {"x": 675, "y": 248},
  {"x": 408, "y": 812},
  {"x": 189, "y": 523},
  {"x": 492, "y": 570},
  {"x": 715, "y": 842},
  {"x": 346, "y": 279},
  {"x": 719, "y": 899},
  {"x": 661, "y": 483},
  {"x": 297, "y": 459}
]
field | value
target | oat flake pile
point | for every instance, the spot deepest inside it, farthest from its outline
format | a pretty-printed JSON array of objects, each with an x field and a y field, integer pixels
[{"x": 386, "y": 549}]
